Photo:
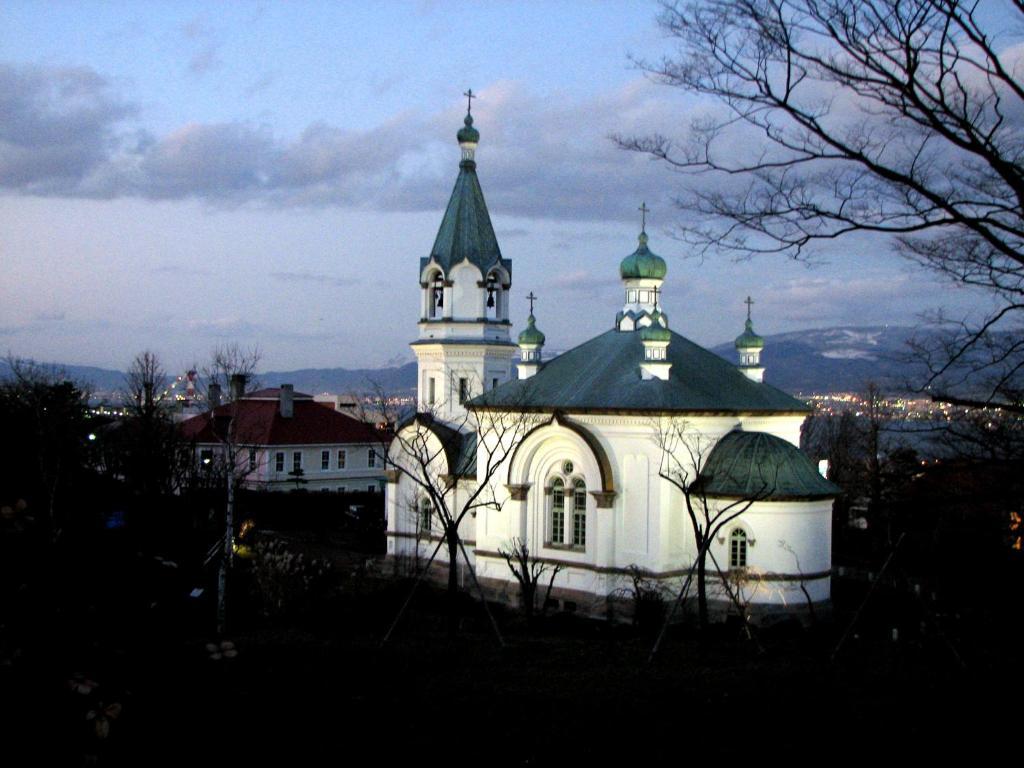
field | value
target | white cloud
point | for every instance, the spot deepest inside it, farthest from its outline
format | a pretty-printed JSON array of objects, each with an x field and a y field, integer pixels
[{"x": 65, "y": 134}]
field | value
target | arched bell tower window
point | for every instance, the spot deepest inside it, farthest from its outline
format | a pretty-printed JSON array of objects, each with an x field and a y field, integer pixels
[
  {"x": 435, "y": 301},
  {"x": 738, "y": 548},
  {"x": 494, "y": 300}
]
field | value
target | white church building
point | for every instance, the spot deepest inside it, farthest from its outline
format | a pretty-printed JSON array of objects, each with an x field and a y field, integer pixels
[{"x": 581, "y": 457}]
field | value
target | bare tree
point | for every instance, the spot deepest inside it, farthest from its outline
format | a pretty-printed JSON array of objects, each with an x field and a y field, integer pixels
[
  {"x": 683, "y": 463},
  {"x": 229, "y": 376},
  {"x": 528, "y": 570},
  {"x": 451, "y": 467},
  {"x": 898, "y": 118},
  {"x": 152, "y": 458}
]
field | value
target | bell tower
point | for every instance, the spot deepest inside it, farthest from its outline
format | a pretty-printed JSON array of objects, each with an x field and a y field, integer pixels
[{"x": 464, "y": 346}]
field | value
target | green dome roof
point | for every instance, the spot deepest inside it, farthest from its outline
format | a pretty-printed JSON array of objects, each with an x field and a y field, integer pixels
[
  {"x": 469, "y": 133},
  {"x": 643, "y": 263},
  {"x": 531, "y": 335},
  {"x": 759, "y": 466},
  {"x": 748, "y": 339},
  {"x": 655, "y": 331}
]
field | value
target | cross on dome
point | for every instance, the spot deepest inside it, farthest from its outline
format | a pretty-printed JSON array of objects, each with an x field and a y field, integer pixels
[
  {"x": 469, "y": 100},
  {"x": 749, "y": 302},
  {"x": 644, "y": 210},
  {"x": 531, "y": 298}
]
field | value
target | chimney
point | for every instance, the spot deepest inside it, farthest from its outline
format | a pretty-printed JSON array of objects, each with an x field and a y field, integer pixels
[
  {"x": 213, "y": 395},
  {"x": 287, "y": 399},
  {"x": 237, "y": 386}
]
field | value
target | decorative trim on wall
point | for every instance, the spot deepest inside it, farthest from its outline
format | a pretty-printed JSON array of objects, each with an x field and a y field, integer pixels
[
  {"x": 653, "y": 574},
  {"x": 518, "y": 491}
]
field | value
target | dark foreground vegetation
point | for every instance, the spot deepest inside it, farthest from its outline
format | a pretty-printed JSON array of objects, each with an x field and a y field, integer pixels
[{"x": 99, "y": 634}]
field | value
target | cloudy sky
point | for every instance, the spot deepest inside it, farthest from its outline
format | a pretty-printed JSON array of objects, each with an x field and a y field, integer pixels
[{"x": 178, "y": 175}]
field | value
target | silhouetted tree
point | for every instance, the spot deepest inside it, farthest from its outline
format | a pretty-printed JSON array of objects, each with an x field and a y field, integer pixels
[
  {"x": 45, "y": 440},
  {"x": 152, "y": 458}
]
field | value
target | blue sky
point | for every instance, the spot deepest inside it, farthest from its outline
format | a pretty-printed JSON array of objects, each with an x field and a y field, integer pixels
[{"x": 178, "y": 175}]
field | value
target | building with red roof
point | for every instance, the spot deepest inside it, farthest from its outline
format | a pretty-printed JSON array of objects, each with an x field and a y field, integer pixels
[{"x": 286, "y": 440}]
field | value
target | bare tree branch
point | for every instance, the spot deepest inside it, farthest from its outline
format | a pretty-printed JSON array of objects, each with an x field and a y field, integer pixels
[{"x": 901, "y": 118}]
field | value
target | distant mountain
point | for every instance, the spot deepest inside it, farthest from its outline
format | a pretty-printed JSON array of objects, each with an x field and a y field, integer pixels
[
  {"x": 105, "y": 383},
  {"x": 820, "y": 360},
  {"x": 396, "y": 380},
  {"x": 840, "y": 359},
  {"x": 100, "y": 380}
]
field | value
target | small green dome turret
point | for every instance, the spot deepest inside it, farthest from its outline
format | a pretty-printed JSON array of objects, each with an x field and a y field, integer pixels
[
  {"x": 643, "y": 263},
  {"x": 748, "y": 339},
  {"x": 468, "y": 134},
  {"x": 531, "y": 335},
  {"x": 655, "y": 332}
]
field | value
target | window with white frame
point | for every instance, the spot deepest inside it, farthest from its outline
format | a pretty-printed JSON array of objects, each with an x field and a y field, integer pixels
[
  {"x": 342, "y": 458},
  {"x": 279, "y": 461},
  {"x": 296, "y": 461},
  {"x": 567, "y": 510},
  {"x": 371, "y": 489},
  {"x": 738, "y": 548},
  {"x": 325, "y": 460},
  {"x": 556, "y": 529},
  {"x": 424, "y": 515},
  {"x": 252, "y": 460},
  {"x": 371, "y": 458},
  {"x": 579, "y": 513}
]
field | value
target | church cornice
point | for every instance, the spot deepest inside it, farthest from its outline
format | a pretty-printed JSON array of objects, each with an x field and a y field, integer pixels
[
  {"x": 454, "y": 321},
  {"x": 464, "y": 342},
  {"x": 647, "y": 413}
]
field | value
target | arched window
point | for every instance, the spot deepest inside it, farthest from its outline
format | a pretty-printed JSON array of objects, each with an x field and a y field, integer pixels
[
  {"x": 557, "y": 528},
  {"x": 579, "y": 513},
  {"x": 568, "y": 497},
  {"x": 738, "y": 548}
]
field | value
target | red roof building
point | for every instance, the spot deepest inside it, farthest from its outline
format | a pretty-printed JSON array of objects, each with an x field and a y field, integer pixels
[{"x": 286, "y": 440}]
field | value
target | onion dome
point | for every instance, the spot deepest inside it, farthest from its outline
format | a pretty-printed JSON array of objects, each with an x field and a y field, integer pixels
[
  {"x": 759, "y": 466},
  {"x": 468, "y": 134},
  {"x": 643, "y": 263},
  {"x": 748, "y": 339},
  {"x": 656, "y": 331},
  {"x": 531, "y": 335}
]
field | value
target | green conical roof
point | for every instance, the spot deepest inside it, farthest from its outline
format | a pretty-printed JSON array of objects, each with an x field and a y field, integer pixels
[
  {"x": 643, "y": 263},
  {"x": 748, "y": 339},
  {"x": 759, "y": 466},
  {"x": 466, "y": 232},
  {"x": 531, "y": 335}
]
